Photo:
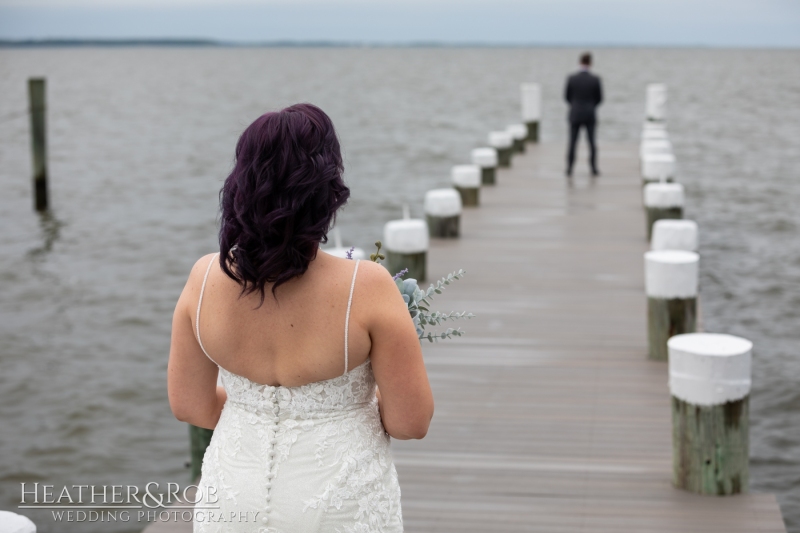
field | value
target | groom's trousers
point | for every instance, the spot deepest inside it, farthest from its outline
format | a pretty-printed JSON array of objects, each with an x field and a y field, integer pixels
[{"x": 574, "y": 131}]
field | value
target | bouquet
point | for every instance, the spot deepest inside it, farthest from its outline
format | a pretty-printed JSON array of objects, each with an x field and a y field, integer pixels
[{"x": 418, "y": 301}]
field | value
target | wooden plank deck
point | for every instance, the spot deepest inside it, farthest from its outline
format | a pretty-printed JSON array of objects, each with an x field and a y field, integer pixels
[{"x": 549, "y": 417}]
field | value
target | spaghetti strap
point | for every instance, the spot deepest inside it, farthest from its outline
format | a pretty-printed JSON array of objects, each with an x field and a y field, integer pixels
[
  {"x": 347, "y": 319},
  {"x": 199, "y": 303}
]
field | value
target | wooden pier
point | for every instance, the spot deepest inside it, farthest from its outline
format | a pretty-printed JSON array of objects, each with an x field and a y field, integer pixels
[{"x": 549, "y": 416}]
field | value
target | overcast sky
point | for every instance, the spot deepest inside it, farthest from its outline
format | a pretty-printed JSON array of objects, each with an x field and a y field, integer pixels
[{"x": 558, "y": 22}]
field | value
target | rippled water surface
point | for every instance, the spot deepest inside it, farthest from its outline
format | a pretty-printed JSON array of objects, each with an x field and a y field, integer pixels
[{"x": 141, "y": 139}]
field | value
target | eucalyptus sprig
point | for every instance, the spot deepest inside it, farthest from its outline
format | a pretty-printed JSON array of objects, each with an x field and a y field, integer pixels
[{"x": 419, "y": 301}]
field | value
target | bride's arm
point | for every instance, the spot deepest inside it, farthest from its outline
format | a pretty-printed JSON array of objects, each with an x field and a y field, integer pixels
[
  {"x": 405, "y": 398},
  {"x": 191, "y": 376}
]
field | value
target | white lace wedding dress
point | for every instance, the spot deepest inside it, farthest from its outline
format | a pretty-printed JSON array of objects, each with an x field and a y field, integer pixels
[{"x": 313, "y": 458}]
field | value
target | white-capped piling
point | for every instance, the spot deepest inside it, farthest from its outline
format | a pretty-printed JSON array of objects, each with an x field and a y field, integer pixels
[
  {"x": 443, "y": 212},
  {"x": 674, "y": 235},
  {"x": 486, "y": 159},
  {"x": 504, "y": 144},
  {"x": 671, "y": 284},
  {"x": 406, "y": 245},
  {"x": 656, "y": 104},
  {"x": 16, "y": 523},
  {"x": 650, "y": 125},
  {"x": 339, "y": 250},
  {"x": 356, "y": 253},
  {"x": 519, "y": 133},
  {"x": 651, "y": 134},
  {"x": 662, "y": 200},
  {"x": 654, "y": 146},
  {"x": 531, "y": 109},
  {"x": 658, "y": 167},
  {"x": 467, "y": 181},
  {"x": 709, "y": 380}
]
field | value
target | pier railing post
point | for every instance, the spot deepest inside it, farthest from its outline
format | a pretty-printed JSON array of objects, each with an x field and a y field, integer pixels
[
  {"x": 467, "y": 181},
  {"x": 671, "y": 283},
  {"x": 531, "y": 109},
  {"x": 406, "y": 243},
  {"x": 709, "y": 380},
  {"x": 38, "y": 108},
  {"x": 486, "y": 159},
  {"x": 504, "y": 144},
  {"x": 443, "y": 212},
  {"x": 662, "y": 200}
]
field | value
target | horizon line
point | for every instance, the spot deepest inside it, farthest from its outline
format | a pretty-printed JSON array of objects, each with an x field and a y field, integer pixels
[{"x": 333, "y": 43}]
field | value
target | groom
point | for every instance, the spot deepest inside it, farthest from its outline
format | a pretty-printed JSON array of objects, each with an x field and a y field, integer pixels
[{"x": 584, "y": 93}]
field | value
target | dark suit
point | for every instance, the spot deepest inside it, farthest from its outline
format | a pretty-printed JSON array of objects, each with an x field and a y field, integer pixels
[{"x": 584, "y": 93}]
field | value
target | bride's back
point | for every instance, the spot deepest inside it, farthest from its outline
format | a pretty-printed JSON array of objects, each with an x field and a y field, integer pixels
[
  {"x": 296, "y": 336},
  {"x": 318, "y": 356}
]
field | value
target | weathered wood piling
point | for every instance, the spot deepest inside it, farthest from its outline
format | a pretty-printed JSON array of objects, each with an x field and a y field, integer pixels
[
  {"x": 199, "y": 439},
  {"x": 662, "y": 200},
  {"x": 38, "y": 108},
  {"x": 486, "y": 159},
  {"x": 709, "y": 379},
  {"x": 656, "y": 104},
  {"x": 671, "y": 283},
  {"x": 519, "y": 134},
  {"x": 531, "y": 94},
  {"x": 504, "y": 144},
  {"x": 443, "y": 212},
  {"x": 657, "y": 167},
  {"x": 670, "y": 234},
  {"x": 467, "y": 181},
  {"x": 406, "y": 244}
]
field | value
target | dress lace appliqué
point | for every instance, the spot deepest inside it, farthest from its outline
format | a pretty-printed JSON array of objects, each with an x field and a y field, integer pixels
[{"x": 325, "y": 448}]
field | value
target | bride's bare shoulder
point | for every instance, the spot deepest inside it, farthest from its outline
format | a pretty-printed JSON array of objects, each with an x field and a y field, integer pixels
[
  {"x": 200, "y": 267},
  {"x": 373, "y": 274},
  {"x": 192, "y": 288}
]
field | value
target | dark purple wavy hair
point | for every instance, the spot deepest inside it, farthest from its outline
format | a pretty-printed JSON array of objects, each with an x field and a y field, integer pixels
[{"x": 281, "y": 197}]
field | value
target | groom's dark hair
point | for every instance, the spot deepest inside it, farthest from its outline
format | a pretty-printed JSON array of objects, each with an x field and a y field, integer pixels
[
  {"x": 586, "y": 59},
  {"x": 281, "y": 197}
]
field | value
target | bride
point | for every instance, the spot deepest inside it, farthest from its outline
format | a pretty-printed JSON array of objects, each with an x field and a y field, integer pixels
[{"x": 318, "y": 357}]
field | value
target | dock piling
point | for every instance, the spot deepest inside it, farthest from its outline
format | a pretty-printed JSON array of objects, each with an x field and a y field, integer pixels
[
  {"x": 518, "y": 132},
  {"x": 38, "y": 108},
  {"x": 467, "y": 181},
  {"x": 656, "y": 104},
  {"x": 443, "y": 212},
  {"x": 654, "y": 146},
  {"x": 486, "y": 159},
  {"x": 658, "y": 167},
  {"x": 531, "y": 109},
  {"x": 406, "y": 243},
  {"x": 504, "y": 144},
  {"x": 662, "y": 200},
  {"x": 199, "y": 439},
  {"x": 709, "y": 380},
  {"x": 670, "y": 234},
  {"x": 671, "y": 283}
]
